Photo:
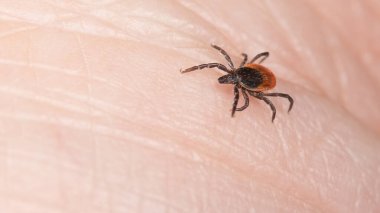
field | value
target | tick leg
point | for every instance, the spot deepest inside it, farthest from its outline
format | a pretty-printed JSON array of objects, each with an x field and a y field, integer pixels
[
  {"x": 265, "y": 55},
  {"x": 236, "y": 100},
  {"x": 291, "y": 101},
  {"x": 271, "y": 106},
  {"x": 260, "y": 96},
  {"x": 245, "y": 57},
  {"x": 209, "y": 65},
  {"x": 223, "y": 52},
  {"x": 246, "y": 100}
]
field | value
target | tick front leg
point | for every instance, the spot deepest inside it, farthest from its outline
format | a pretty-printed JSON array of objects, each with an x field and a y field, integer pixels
[
  {"x": 265, "y": 55},
  {"x": 245, "y": 58},
  {"x": 283, "y": 95},
  {"x": 246, "y": 100},
  {"x": 236, "y": 100},
  {"x": 209, "y": 65},
  {"x": 225, "y": 54}
]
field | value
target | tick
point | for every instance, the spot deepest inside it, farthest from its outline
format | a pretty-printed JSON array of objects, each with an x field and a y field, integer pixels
[{"x": 249, "y": 78}]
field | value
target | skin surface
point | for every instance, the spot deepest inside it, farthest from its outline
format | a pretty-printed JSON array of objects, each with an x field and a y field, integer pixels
[{"x": 96, "y": 117}]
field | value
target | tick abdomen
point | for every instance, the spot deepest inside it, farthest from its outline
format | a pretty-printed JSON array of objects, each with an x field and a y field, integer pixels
[{"x": 256, "y": 77}]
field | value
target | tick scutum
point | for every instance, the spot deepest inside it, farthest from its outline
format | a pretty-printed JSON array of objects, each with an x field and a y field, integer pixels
[{"x": 249, "y": 77}]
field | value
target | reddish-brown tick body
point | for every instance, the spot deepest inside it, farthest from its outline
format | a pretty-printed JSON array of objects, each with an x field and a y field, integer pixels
[{"x": 256, "y": 77}]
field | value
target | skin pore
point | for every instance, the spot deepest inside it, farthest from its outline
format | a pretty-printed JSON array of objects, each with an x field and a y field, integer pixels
[{"x": 96, "y": 117}]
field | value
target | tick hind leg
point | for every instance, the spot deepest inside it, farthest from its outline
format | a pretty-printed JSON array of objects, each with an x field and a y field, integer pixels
[
  {"x": 265, "y": 55},
  {"x": 245, "y": 58},
  {"x": 236, "y": 100},
  {"x": 225, "y": 54},
  {"x": 246, "y": 100},
  {"x": 260, "y": 95},
  {"x": 283, "y": 95},
  {"x": 209, "y": 65}
]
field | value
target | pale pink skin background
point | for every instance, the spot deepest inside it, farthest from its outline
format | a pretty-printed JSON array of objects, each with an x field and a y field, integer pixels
[{"x": 95, "y": 116}]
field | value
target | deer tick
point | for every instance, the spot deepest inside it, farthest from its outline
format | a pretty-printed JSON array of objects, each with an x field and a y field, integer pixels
[{"x": 249, "y": 78}]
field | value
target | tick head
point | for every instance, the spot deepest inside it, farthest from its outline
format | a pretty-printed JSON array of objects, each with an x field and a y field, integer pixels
[{"x": 228, "y": 79}]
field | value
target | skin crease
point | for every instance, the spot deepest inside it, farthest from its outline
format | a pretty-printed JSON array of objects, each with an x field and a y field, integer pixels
[{"x": 95, "y": 116}]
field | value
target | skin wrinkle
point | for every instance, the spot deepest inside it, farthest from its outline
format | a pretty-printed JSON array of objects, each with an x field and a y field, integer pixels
[
  {"x": 284, "y": 146},
  {"x": 377, "y": 185},
  {"x": 100, "y": 129},
  {"x": 300, "y": 48},
  {"x": 144, "y": 19},
  {"x": 340, "y": 71},
  {"x": 25, "y": 94},
  {"x": 362, "y": 189},
  {"x": 83, "y": 28},
  {"x": 102, "y": 108},
  {"x": 42, "y": 66},
  {"x": 354, "y": 55},
  {"x": 357, "y": 203},
  {"x": 327, "y": 167},
  {"x": 206, "y": 19},
  {"x": 78, "y": 98},
  {"x": 17, "y": 31},
  {"x": 93, "y": 137},
  {"x": 276, "y": 190},
  {"x": 88, "y": 75},
  {"x": 261, "y": 40}
]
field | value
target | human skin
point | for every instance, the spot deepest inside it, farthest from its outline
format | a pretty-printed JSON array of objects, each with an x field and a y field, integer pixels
[{"x": 96, "y": 117}]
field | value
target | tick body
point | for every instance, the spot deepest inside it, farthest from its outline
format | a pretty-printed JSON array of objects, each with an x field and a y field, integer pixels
[
  {"x": 249, "y": 78},
  {"x": 255, "y": 77}
]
